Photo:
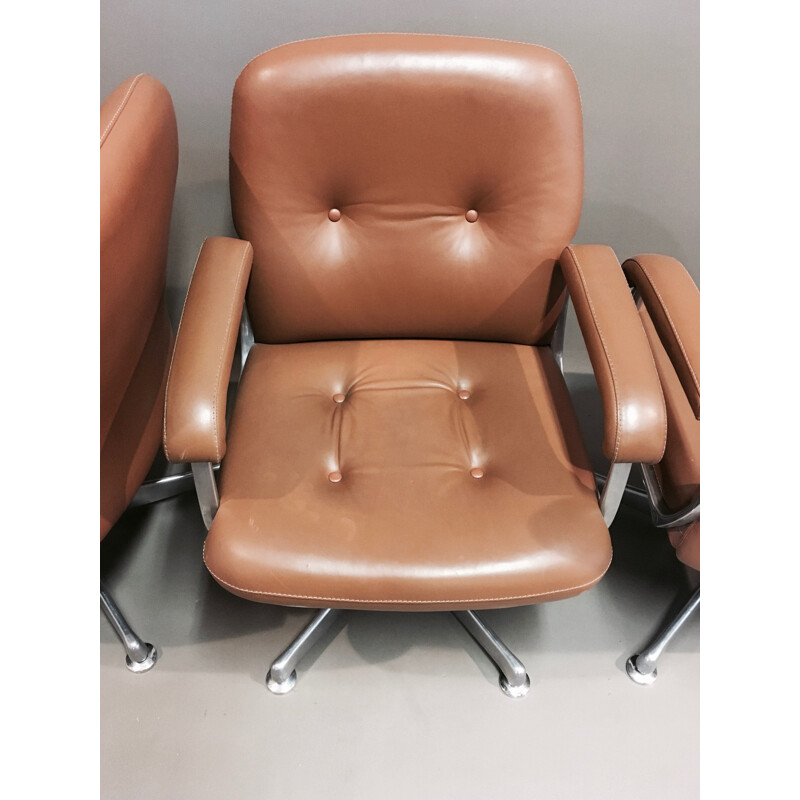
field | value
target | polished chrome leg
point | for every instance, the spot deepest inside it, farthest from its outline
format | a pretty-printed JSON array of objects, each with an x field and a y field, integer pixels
[
  {"x": 140, "y": 655},
  {"x": 282, "y": 676},
  {"x": 641, "y": 667},
  {"x": 514, "y": 680}
]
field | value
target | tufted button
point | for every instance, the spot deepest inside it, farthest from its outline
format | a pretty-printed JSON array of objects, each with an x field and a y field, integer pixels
[
  {"x": 338, "y": 398},
  {"x": 334, "y": 215},
  {"x": 335, "y": 477},
  {"x": 472, "y": 215},
  {"x": 476, "y": 472},
  {"x": 465, "y": 394}
]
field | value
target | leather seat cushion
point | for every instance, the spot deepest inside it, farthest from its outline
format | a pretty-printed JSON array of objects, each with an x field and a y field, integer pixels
[{"x": 405, "y": 474}]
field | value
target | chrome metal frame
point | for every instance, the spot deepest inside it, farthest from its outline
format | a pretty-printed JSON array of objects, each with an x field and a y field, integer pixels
[
  {"x": 282, "y": 675},
  {"x": 163, "y": 488},
  {"x": 140, "y": 656},
  {"x": 206, "y": 486},
  {"x": 246, "y": 339},
  {"x": 613, "y": 490},
  {"x": 641, "y": 667},
  {"x": 659, "y": 512},
  {"x": 559, "y": 332},
  {"x": 514, "y": 680}
]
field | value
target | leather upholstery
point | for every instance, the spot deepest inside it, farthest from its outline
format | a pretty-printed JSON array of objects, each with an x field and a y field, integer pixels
[
  {"x": 357, "y": 164},
  {"x": 410, "y": 474},
  {"x": 673, "y": 302},
  {"x": 194, "y": 418},
  {"x": 138, "y": 167},
  {"x": 402, "y": 437},
  {"x": 669, "y": 294},
  {"x": 635, "y": 419}
]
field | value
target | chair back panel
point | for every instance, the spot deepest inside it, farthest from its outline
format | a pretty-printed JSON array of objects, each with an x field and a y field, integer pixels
[{"x": 406, "y": 186}]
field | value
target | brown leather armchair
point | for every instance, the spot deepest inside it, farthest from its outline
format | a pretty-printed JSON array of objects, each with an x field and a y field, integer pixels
[
  {"x": 402, "y": 437},
  {"x": 669, "y": 306},
  {"x": 138, "y": 167}
]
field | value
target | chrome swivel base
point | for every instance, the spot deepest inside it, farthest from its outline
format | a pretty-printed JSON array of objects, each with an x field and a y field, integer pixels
[
  {"x": 140, "y": 656},
  {"x": 641, "y": 667},
  {"x": 514, "y": 680}
]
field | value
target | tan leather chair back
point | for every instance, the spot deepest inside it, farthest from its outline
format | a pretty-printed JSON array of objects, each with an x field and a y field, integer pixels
[
  {"x": 406, "y": 187},
  {"x": 138, "y": 167}
]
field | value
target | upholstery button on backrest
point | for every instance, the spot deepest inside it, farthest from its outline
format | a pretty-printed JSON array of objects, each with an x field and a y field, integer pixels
[
  {"x": 472, "y": 215},
  {"x": 476, "y": 472},
  {"x": 334, "y": 215},
  {"x": 338, "y": 398},
  {"x": 335, "y": 477},
  {"x": 465, "y": 394}
]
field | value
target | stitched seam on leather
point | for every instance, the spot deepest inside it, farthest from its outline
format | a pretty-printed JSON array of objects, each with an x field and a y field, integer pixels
[
  {"x": 122, "y": 105},
  {"x": 177, "y": 339},
  {"x": 617, "y": 409},
  {"x": 409, "y": 602},
  {"x": 223, "y": 350},
  {"x": 671, "y": 323}
]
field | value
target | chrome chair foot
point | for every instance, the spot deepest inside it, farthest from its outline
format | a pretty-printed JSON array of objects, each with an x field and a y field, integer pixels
[
  {"x": 140, "y": 656},
  {"x": 641, "y": 667},
  {"x": 147, "y": 663},
  {"x": 514, "y": 680},
  {"x": 284, "y": 686},
  {"x": 282, "y": 675},
  {"x": 642, "y": 678},
  {"x": 515, "y": 691}
]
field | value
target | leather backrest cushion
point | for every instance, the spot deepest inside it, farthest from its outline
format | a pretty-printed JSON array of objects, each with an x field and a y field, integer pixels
[
  {"x": 401, "y": 185},
  {"x": 138, "y": 166}
]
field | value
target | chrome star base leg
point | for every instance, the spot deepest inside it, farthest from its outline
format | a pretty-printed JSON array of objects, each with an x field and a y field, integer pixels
[
  {"x": 514, "y": 680},
  {"x": 282, "y": 675},
  {"x": 641, "y": 667},
  {"x": 140, "y": 656}
]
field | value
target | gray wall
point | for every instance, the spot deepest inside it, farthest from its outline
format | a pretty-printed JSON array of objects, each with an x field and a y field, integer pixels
[{"x": 637, "y": 64}]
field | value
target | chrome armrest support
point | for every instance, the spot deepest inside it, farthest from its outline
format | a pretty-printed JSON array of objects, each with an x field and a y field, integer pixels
[
  {"x": 246, "y": 339},
  {"x": 613, "y": 491},
  {"x": 662, "y": 517},
  {"x": 557, "y": 342},
  {"x": 206, "y": 486},
  {"x": 205, "y": 483}
]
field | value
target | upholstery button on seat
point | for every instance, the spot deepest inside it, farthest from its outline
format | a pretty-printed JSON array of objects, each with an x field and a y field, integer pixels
[
  {"x": 476, "y": 472},
  {"x": 472, "y": 215},
  {"x": 335, "y": 477},
  {"x": 339, "y": 398},
  {"x": 334, "y": 215},
  {"x": 465, "y": 394}
]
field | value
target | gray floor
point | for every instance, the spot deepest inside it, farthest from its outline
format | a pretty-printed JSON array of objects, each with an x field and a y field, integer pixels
[{"x": 395, "y": 705}]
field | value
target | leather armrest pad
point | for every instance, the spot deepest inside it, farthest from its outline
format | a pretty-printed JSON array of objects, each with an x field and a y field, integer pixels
[
  {"x": 194, "y": 414},
  {"x": 634, "y": 415},
  {"x": 673, "y": 302}
]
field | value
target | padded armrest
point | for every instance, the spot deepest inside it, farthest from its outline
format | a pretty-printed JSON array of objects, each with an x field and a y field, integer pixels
[
  {"x": 194, "y": 414},
  {"x": 673, "y": 302},
  {"x": 635, "y": 418}
]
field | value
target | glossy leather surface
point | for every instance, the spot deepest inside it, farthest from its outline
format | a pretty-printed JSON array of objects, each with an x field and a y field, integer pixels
[
  {"x": 677, "y": 304},
  {"x": 138, "y": 167},
  {"x": 673, "y": 302},
  {"x": 634, "y": 415},
  {"x": 406, "y": 186},
  {"x": 194, "y": 415},
  {"x": 413, "y": 474}
]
